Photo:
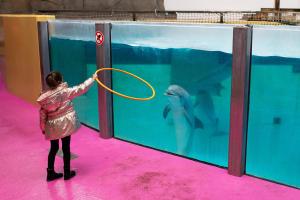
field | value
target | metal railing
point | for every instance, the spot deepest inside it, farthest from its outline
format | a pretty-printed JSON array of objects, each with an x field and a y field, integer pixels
[{"x": 228, "y": 17}]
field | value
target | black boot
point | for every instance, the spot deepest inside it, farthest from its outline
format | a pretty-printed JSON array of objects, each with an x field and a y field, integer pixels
[
  {"x": 52, "y": 175},
  {"x": 69, "y": 174}
]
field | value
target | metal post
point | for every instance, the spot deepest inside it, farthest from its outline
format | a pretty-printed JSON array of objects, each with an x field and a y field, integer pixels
[
  {"x": 105, "y": 98},
  {"x": 241, "y": 64},
  {"x": 277, "y": 9},
  {"x": 277, "y": 5},
  {"x": 221, "y": 17},
  {"x": 44, "y": 51},
  {"x": 134, "y": 17}
]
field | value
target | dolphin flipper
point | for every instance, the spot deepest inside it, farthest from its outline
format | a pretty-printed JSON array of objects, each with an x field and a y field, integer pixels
[
  {"x": 166, "y": 111},
  {"x": 198, "y": 123},
  {"x": 195, "y": 123}
]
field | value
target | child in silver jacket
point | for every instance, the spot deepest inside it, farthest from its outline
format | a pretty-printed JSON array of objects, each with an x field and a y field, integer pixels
[{"x": 58, "y": 119}]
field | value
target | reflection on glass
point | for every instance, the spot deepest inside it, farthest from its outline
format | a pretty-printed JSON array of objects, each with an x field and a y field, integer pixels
[{"x": 192, "y": 77}]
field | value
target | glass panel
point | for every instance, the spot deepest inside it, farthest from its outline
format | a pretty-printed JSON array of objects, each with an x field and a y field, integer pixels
[
  {"x": 190, "y": 68},
  {"x": 73, "y": 53},
  {"x": 273, "y": 132}
]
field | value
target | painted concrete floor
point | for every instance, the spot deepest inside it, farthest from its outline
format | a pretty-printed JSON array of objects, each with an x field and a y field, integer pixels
[{"x": 110, "y": 169}]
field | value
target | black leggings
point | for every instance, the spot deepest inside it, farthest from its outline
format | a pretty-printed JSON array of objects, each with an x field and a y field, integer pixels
[{"x": 66, "y": 151}]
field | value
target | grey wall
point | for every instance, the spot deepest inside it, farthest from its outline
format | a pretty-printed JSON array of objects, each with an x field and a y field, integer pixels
[
  {"x": 14, "y": 5},
  {"x": 79, "y": 5}
]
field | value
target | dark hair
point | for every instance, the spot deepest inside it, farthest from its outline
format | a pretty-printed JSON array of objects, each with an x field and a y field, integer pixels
[{"x": 54, "y": 79}]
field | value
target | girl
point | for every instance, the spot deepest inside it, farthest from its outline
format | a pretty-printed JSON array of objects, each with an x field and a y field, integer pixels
[{"x": 58, "y": 119}]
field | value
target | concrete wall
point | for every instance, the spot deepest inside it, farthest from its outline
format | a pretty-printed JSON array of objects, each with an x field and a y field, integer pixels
[
  {"x": 142, "y": 5},
  {"x": 99, "y": 5},
  {"x": 14, "y": 5}
]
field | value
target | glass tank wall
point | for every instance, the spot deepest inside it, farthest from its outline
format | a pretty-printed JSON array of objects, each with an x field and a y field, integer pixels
[
  {"x": 73, "y": 53},
  {"x": 273, "y": 150},
  {"x": 190, "y": 68}
]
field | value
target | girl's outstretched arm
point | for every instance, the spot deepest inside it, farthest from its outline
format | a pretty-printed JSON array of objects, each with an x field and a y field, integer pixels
[{"x": 82, "y": 88}]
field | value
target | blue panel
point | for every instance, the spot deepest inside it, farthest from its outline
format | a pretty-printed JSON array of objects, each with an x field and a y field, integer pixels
[
  {"x": 273, "y": 131},
  {"x": 73, "y": 53}
]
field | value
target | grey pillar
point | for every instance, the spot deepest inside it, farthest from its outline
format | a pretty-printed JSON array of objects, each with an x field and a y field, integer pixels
[
  {"x": 241, "y": 63},
  {"x": 105, "y": 98},
  {"x": 277, "y": 5},
  {"x": 44, "y": 51}
]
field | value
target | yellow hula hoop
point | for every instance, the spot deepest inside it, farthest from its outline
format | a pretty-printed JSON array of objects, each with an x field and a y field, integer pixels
[{"x": 123, "y": 95}]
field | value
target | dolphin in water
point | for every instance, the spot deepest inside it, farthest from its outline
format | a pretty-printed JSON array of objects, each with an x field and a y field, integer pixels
[
  {"x": 204, "y": 89},
  {"x": 211, "y": 81},
  {"x": 185, "y": 122},
  {"x": 202, "y": 80}
]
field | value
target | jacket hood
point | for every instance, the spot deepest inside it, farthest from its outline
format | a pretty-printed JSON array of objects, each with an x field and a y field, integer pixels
[{"x": 50, "y": 100}]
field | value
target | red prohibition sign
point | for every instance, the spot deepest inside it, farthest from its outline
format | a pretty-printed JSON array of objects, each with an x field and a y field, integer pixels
[{"x": 99, "y": 38}]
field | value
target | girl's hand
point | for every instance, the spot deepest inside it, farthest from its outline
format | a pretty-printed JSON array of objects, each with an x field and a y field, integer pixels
[{"x": 95, "y": 76}]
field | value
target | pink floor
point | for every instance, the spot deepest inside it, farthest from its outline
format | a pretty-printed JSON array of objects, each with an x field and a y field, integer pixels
[{"x": 110, "y": 169}]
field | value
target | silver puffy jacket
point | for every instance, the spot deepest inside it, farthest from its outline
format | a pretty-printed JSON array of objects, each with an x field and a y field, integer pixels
[{"x": 58, "y": 118}]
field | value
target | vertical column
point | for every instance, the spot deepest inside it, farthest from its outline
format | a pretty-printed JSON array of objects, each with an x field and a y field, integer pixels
[
  {"x": 241, "y": 63},
  {"x": 44, "y": 51},
  {"x": 277, "y": 10},
  {"x": 277, "y": 5},
  {"x": 103, "y": 56}
]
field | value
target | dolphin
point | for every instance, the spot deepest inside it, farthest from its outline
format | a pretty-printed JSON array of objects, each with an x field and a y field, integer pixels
[
  {"x": 203, "y": 80},
  {"x": 211, "y": 82},
  {"x": 185, "y": 122},
  {"x": 204, "y": 69},
  {"x": 204, "y": 90}
]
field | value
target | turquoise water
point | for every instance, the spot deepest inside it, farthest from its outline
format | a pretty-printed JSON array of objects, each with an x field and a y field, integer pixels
[
  {"x": 273, "y": 150},
  {"x": 195, "y": 125},
  {"x": 76, "y": 60}
]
